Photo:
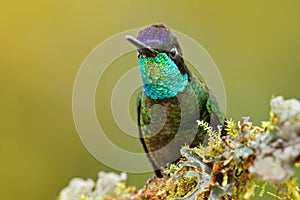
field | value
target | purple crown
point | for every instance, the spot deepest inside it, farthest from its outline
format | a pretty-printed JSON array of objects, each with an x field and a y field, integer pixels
[{"x": 156, "y": 36}]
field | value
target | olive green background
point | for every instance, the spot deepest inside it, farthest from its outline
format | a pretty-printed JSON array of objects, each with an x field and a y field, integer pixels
[{"x": 255, "y": 44}]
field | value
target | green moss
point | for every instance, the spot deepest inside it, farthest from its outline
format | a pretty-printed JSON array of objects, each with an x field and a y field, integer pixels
[
  {"x": 215, "y": 144},
  {"x": 231, "y": 129}
]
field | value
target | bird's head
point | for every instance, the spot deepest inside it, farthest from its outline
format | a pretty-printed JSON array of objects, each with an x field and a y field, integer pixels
[{"x": 162, "y": 67}]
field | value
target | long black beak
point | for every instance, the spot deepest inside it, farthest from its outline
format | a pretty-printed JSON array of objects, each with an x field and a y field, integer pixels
[{"x": 141, "y": 46}]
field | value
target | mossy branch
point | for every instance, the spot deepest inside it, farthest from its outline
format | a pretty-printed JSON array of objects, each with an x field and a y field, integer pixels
[{"x": 229, "y": 166}]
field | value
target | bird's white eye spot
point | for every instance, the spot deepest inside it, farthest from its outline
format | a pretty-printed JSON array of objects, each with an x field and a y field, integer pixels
[{"x": 173, "y": 52}]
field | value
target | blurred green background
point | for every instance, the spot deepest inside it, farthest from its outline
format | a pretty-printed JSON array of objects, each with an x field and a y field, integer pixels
[{"x": 255, "y": 44}]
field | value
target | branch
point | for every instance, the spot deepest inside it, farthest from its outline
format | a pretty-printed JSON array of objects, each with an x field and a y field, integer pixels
[{"x": 229, "y": 167}]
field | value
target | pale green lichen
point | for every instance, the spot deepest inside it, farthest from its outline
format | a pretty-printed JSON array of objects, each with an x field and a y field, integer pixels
[
  {"x": 108, "y": 186},
  {"x": 277, "y": 151}
]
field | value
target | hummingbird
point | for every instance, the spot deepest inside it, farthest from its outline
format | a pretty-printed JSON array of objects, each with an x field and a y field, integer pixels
[{"x": 172, "y": 98}]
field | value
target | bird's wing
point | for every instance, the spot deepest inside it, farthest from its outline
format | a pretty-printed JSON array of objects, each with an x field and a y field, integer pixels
[
  {"x": 217, "y": 117},
  {"x": 139, "y": 106}
]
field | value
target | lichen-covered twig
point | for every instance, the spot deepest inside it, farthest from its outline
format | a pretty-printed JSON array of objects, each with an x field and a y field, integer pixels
[{"x": 228, "y": 167}]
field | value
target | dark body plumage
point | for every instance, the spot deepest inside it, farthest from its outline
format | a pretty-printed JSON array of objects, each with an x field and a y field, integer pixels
[{"x": 166, "y": 115}]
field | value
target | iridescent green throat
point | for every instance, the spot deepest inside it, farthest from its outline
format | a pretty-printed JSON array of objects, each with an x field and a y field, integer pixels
[{"x": 161, "y": 77}]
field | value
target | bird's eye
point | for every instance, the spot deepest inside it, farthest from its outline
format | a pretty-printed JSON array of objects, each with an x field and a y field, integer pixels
[{"x": 173, "y": 52}]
